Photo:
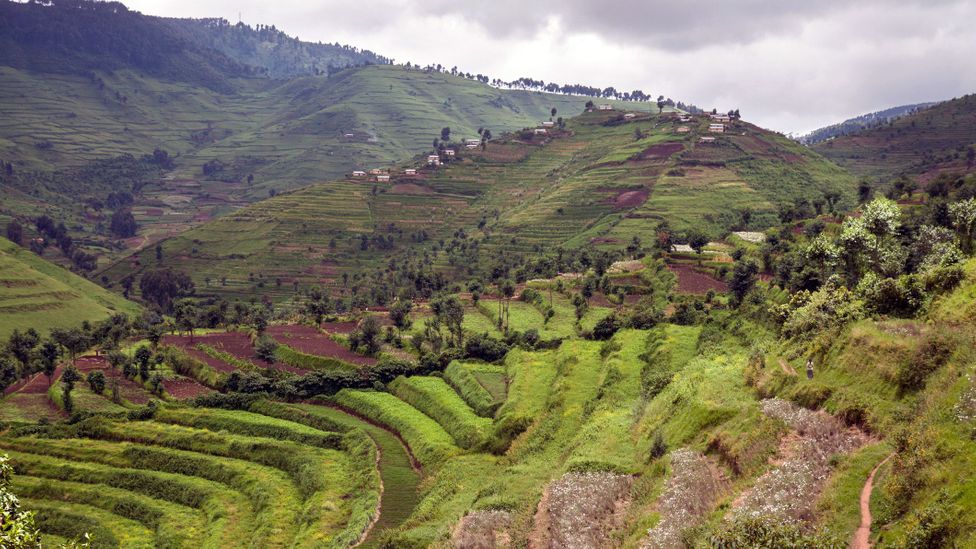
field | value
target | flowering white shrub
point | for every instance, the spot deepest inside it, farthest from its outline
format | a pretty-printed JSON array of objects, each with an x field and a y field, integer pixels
[{"x": 689, "y": 493}]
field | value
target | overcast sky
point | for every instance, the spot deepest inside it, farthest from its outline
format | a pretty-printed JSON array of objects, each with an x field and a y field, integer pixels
[{"x": 788, "y": 65}]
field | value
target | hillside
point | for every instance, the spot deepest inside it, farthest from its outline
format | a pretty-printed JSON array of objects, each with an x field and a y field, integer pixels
[
  {"x": 37, "y": 294},
  {"x": 923, "y": 144},
  {"x": 592, "y": 184},
  {"x": 860, "y": 123},
  {"x": 274, "y": 52}
]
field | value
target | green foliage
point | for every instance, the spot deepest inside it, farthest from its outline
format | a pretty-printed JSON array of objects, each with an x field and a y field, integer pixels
[
  {"x": 314, "y": 363},
  {"x": 464, "y": 381},
  {"x": 436, "y": 399},
  {"x": 770, "y": 532},
  {"x": 933, "y": 352},
  {"x": 428, "y": 441}
]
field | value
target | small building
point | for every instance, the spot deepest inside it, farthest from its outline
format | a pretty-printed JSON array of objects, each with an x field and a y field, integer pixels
[
  {"x": 541, "y": 131},
  {"x": 433, "y": 160},
  {"x": 449, "y": 152},
  {"x": 548, "y": 124},
  {"x": 605, "y": 107},
  {"x": 375, "y": 171},
  {"x": 383, "y": 178},
  {"x": 721, "y": 117},
  {"x": 706, "y": 140},
  {"x": 716, "y": 128},
  {"x": 473, "y": 140},
  {"x": 410, "y": 171},
  {"x": 350, "y": 135},
  {"x": 471, "y": 146},
  {"x": 683, "y": 129},
  {"x": 359, "y": 173},
  {"x": 684, "y": 118},
  {"x": 630, "y": 115}
]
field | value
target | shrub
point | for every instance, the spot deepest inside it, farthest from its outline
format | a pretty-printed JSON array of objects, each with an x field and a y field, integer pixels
[
  {"x": 96, "y": 380},
  {"x": 485, "y": 347},
  {"x": 606, "y": 327},
  {"x": 770, "y": 532},
  {"x": 658, "y": 446}
]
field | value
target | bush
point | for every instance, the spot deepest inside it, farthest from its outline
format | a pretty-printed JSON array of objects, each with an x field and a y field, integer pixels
[
  {"x": 606, "y": 327},
  {"x": 810, "y": 395},
  {"x": 485, "y": 347},
  {"x": 770, "y": 532},
  {"x": 96, "y": 380}
]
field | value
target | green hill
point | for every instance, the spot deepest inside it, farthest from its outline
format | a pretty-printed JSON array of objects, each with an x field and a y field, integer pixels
[
  {"x": 595, "y": 183},
  {"x": 924, "y": 144},
  {"x": 37, "y": 294}
]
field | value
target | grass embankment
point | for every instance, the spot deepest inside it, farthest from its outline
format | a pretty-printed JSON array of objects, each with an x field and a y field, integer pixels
[
  {"x": 437, "y": 400},
  {"x": 430, "y": 443},
  {"x": 462, "y": 378},
  {"x": 246, "y": 477}
]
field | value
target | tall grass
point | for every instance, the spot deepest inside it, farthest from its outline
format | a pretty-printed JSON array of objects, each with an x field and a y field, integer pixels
[
  {"x": 305, "y": 361},
  {"x": 467, "y": 385},
  {"x": 430, "y": 443},
  {"x": 436, "y": 399}
]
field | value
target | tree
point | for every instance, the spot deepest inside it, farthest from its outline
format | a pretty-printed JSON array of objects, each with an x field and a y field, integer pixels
[
  {"x": 581, "y": 305},
  {"x": 445, "y": 134},
  {"x": 187, "y": 316},
  {"x": 400, "y": 313},
  {"x": 96, "y": 381},
  {"x": 963, "y": 217},
  {"x": 450, "y": 312},
  {"x": 508, "y": 290},
  {"x": 743, "y": 279},
  {"x": 365, "y": 339},
  {"x": 552, "y": 113},
  {"x": 15, "y": 233},
  {"x": 17, "y": 528},
  {"x": 317, "y": 304},
  {"x": 265, "y": 349},
  {"x": 161, "y": 286},
  {"x": 21, "y": 345},
  {"x": 123, "y": 224},
  {"x": 49, "y": 354},
  {"x": 697, "y": 240},
  {"x": 68, "y": 379},
  {"x": 143, "y": 356},
  {"x": 74, "y": 340}
]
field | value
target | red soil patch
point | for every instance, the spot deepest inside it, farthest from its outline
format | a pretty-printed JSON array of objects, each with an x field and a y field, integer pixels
[
  {"x": 604, "y": 240},
  {"x": 234, "y": 343},
  {"x": 154, "y": 212},
  {"x": 661, "y": 150},
  {"x": 311, "y": 341},
  {"x": 631, "y": 199},
  {"x": 181, "y": 389},
  {"x": 128, "y": 389},
  {"x": 343, "y": 328},
  {"x": 38, "y": 383},
  {"x": 691, "y": 281},
  {"x": 410, "y": 188},
  {"x": 600, "y": 300}
]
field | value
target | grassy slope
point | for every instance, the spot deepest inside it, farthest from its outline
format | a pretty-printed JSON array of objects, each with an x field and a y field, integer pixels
[
  {"x": 530, "y": 195},
  {"x": 37, "y": 294},
  {"x": 922, "y": 144}
]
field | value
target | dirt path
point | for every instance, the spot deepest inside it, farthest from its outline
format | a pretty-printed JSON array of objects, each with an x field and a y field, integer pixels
[
  {"x": 787, "y": 369},
  {"x": 862, "y": 538}
]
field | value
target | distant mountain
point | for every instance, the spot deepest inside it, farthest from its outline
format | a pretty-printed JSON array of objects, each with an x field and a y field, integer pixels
[
  {"x": 81, "y": 37},
  {"x": 923, "y": 144},
  {"x": 863, "y": 122},
  {"x": 272, "y": 51}
]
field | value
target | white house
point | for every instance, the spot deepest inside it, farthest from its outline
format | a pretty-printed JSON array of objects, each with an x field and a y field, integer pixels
[
  {"x": 449, "y": 152},
  {"x": 433, "y": 160},
  {"x": 716, "y": 128},
  {"x": 629, "y": 115},
  {"x": 548, "y": 124},
  {"x": 359, "y": 173},
  {"x": 471, "y": 146},
  {"x": 706, "y": 140},
  {"x": 410, "y": 171},
  {"x": 684, "y": 118},
  {"x": 721, "y": 117},
  {"x": 683, "y": 129},
  {"x": 605, "y": 107},
  {"x": 541, "y": 131},
  {"x": 375, "y": 171},
  {"x": 383, "y": 178},
  {"x": 470, "y": 141}
]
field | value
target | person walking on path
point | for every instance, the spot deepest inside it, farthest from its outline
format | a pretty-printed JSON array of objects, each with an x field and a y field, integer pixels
[{"x": 809, "y": 368}]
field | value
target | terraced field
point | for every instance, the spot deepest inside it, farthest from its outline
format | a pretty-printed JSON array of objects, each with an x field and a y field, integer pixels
[
  {"x": 199, "y": 477},
  {"x": 36, "y": 294},
  {"x": 596, "y": 183}
]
